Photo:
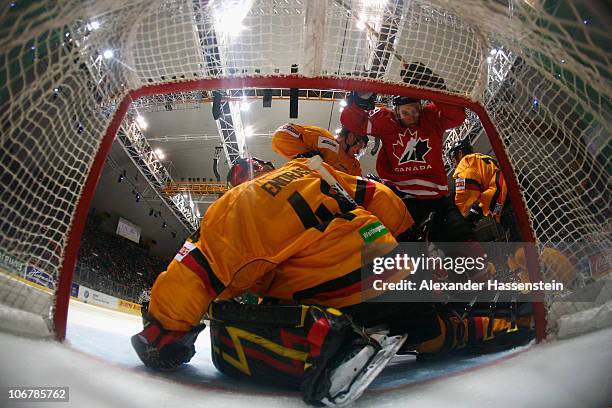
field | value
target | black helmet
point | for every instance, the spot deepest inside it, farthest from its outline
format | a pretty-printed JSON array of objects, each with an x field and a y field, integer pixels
[
  {"x": 359, "y": 138},
  {"x": 462, "y": 145},
  {"x": 247, "y": 168},
  {"x": 404, "y": 100}
]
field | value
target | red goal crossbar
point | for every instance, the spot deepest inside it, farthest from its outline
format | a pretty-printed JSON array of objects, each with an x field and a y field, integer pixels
[{"x": 286, "y": 81}]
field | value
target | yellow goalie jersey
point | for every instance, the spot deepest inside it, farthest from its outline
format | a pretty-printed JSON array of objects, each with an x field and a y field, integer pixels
[
  {"x": 290, "y": 140},
  {"x": 283, "y": 235},
  {"x": 479, "y": 179}
]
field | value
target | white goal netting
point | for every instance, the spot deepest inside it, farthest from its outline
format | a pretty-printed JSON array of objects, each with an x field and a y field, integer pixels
[{"x": 540, "y": 69}]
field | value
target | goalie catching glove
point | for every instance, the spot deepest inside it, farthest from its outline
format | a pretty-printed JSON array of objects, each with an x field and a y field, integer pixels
[{"x": 163, "y": 349}]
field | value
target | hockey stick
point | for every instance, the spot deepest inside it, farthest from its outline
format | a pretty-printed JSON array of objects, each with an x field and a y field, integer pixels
[{"x": 315, "y": 163}]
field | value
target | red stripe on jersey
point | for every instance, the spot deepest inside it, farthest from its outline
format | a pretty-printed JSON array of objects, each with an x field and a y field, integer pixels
[
  {"x": 369, "y": 193},
  {"x": 192, "y": 264},
  {"x": 339, "y": 293},
  {"x": 420, "y": 191}
]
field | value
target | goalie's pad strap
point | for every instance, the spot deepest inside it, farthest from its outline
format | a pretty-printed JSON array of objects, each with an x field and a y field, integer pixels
[{"x": 278, "y": 315}]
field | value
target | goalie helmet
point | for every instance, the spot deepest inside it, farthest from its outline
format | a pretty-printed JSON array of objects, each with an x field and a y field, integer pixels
[{"x": 247, "y": 168}]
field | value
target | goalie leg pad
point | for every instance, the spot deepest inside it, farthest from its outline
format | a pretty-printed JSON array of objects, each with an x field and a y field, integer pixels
[
  {"x": 287, "y": 346},
  {"x": 322, "y": 353},
  {"x": 475, "y": 335}
]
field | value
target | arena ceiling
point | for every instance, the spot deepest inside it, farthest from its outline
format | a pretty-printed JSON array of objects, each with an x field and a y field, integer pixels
[{"x": 188, "y": 137}]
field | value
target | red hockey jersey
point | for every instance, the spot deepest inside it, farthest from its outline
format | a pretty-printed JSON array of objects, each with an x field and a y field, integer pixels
[{"x": 411, "y": 158}]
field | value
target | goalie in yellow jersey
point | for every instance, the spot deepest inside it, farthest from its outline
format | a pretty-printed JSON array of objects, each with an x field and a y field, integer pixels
[
  {"x": 291, "y": 140},
  {"x": 284, "y": 234}
]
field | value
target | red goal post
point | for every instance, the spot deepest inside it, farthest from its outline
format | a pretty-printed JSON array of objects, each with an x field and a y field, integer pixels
[{"x": 285, "y": 81}]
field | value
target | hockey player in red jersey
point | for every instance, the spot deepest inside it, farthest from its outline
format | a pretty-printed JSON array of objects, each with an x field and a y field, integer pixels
[{"x": 411, "y": 158}]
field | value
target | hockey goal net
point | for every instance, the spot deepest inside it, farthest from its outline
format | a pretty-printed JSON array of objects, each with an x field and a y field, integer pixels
[{"x": 536, "y": 75}]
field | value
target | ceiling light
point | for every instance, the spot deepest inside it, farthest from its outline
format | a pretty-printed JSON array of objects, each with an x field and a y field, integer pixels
[
  {"x": 228, "y": 17},
  {"x": 108, "y": 54},
  {"x": 142, "y": 122},
  {"x": 248, "y": 131},
  {"x": 160, "y": 154}
]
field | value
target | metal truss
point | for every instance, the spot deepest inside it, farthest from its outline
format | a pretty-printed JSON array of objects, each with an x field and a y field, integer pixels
[
  {"x": 144, "y": 158},
  {"x": 231, "y": 131},
  {"x": 142, "y": 155},
  {"x": 197, "y": 189},
  {"x": 229, "y": 123},
  {"x": 500, "y": 63},
  {"x": 200, "y": 99}
]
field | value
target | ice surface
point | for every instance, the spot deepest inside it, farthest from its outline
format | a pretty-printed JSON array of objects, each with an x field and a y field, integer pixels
[{"x": 99, "y": 366}]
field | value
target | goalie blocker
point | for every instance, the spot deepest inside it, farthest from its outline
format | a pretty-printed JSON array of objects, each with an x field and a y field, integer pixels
[{"x": 317, "y": 350}]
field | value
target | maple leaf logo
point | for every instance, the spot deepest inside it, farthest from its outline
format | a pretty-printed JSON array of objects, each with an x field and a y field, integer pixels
[{"x": 414, "y": 150}]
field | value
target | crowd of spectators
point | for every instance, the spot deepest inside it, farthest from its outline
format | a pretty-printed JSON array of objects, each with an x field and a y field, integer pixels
[{"x": 114, "y": 265}]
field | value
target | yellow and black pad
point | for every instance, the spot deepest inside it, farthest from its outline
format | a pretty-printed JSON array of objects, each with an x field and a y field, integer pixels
[{"x": 284, "y": 345}]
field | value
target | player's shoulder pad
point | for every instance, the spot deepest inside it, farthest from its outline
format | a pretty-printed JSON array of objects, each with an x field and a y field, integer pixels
[
  {"x": 329, "y": 143},
  {"x": 292, "y": 129}
]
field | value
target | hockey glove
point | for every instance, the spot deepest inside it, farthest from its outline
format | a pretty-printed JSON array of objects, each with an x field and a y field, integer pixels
[
  {"x": 475, "y": 215},
  {"x": 163, "y": 349},
  {"x": 374, "y": 177},
  {"x": 365, "y": 101}
]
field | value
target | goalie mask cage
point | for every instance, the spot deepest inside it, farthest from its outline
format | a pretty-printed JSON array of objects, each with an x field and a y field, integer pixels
[{"x": 535, "y": 73}]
